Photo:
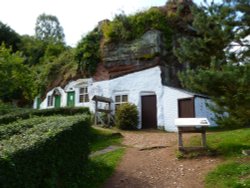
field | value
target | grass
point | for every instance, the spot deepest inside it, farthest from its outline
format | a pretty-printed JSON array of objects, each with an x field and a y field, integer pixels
[
  {"x": 235, "y": 171},
  {"x": 101, "y": 167},
  {"x": 233, "y": 174},
  {"x": 102, "y": 138},
  {"x": 230, "y": 143}
]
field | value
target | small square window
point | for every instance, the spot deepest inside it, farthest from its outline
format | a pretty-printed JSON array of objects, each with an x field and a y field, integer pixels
[{"x": 120, "y": 99}]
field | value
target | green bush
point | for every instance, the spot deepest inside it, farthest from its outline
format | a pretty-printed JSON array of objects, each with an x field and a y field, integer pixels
[
  {"x": 53, "y": 153},
  {"x": 8, "y": 118},
  {"x": 8, "y": 108},
  {"x": 127, "y": 28},
  {"x": 126, "y": 116}
]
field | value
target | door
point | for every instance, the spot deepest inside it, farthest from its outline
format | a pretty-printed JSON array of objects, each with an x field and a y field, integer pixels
[
  {"x": 186, "y": 108},
  {"x": 38, "y": 102},
  {"x": 148, "y": 112},
  {"x": 71, "y": 99},
  {"x": 57, "y": 101}
]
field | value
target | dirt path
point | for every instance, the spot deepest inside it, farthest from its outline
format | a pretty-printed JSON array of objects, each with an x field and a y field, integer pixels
[{"x": 159, "y": 167}]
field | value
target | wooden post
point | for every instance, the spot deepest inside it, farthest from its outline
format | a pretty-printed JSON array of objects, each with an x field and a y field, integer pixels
[
  {"x": 204, "y": 144},
  {"x": 180, "y": 142},
  {"x": 96, "y": 105},
  {"x": 109, "y": 108}
]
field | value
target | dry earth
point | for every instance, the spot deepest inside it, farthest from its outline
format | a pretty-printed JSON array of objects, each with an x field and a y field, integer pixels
[{"x": 158, "y": 167}]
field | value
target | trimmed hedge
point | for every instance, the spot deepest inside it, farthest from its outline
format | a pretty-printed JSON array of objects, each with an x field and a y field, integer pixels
[
  {"x": 8, "y": 118},
  {"x": 52, "y": 153},
  {"x": 20, "y": 126}
]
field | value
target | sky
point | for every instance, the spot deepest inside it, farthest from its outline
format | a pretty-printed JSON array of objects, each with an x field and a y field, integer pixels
[{"x": 77, "y": 17}]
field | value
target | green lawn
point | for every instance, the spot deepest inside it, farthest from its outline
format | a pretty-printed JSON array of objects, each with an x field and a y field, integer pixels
[
  {"x": 101, "y": 138},
  {"x": 101, "y": 167},
  {"x": 235, "y": 171},
  {"x": 229, "y": 143}
]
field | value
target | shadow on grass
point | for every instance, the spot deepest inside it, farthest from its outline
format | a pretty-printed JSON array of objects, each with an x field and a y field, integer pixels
[{"x": 100, "y": 168}]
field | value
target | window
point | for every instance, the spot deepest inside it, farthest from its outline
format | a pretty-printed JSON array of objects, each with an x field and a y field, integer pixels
[
  {"x": 50, "y": 100},
  {"x": 83, "y": 94},
  {"x": 120, "y": 99}
]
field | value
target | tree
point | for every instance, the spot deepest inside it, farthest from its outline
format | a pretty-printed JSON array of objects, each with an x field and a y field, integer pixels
[
  {"x": 9, "y": 37},
  {"x": 88, "y": 53},
  {"x": 16, "y": 78},
  {"x": 48, "y": 29},
  {"x": 33, "y": 50},
  {"x": 219, "y": 59}
]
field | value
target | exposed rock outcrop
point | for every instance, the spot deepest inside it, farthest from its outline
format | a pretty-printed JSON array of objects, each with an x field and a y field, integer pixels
[{"x": 145, "y": 52}]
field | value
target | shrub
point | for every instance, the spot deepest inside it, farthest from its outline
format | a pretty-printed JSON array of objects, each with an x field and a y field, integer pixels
[
  {"x": 127, "y": 28},
  {"x": 126, "y": 116},
  {"x": 8, "y": 118},
  {"x": 6, "y": 108},
  {"x": 49, "y": 154}
]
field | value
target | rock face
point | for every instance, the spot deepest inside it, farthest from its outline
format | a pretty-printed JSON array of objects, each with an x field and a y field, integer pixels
[{"x": 145, "y": 52}]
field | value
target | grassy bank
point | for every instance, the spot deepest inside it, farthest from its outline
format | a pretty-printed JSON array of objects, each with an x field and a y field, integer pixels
[
  {"x": 228, "y": 144},
  {"x": 101, "y": 167},
  {"x": 235, "y": 172}
]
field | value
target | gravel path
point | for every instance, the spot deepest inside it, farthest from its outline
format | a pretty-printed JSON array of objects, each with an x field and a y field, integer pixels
[{"x": 150, "y": 161}]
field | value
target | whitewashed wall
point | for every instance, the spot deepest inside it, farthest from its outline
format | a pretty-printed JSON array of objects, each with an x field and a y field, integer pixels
[
  {"x": 135, "y": 85},
  {"x": 171, "y": 96},
  {"x": 43, "y": 104},
  {"x": 75, "y": 86},
  {"x": 202, "y": 110}
]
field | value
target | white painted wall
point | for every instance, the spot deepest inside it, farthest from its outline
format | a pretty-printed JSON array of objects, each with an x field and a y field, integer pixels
[
  {"x": 135, "y": 85},
  {"x": 202, "y": 110},
  {"x": 170, "y": 100},
  {"x": 43, "y": 104},
  {"x": 75, "y": 86}
]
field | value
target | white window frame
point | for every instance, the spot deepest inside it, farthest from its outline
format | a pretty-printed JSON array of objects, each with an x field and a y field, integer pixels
[
  {"x": 121, "y": 99},
  {"x": 84, "y": 94},
  {"x": 50, "y": 100}
]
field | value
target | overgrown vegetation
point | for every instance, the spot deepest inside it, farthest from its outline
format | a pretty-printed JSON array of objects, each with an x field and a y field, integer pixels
[
  {"x": 50, "y": 152},
  {"x": 87, "y": 52},
  {"x": 126, "y": 116},
  {"x": 126, "y": 28}
]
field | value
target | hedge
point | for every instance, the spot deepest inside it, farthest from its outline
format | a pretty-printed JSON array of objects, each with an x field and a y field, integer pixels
[
  {"x": 20, "y": 126},
  {"x": 51, "y": 154},
  {"x": 8, "y": 118}
]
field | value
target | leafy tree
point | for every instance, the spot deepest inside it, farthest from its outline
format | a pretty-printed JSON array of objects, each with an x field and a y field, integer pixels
[
  {"x": 16, "y": 78},
  {"x": 33, "y": 49},
  {"x": 9, "y": 37},
  {"x": 48, "y": 29},
  {"x": 219, "y": 59},
  {"x": 87, "y": 53}
]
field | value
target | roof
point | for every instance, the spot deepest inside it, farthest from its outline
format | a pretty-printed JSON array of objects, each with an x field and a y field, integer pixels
[
  {"x": 190, "y": 93},
  {"x": 102, "y": 99}
]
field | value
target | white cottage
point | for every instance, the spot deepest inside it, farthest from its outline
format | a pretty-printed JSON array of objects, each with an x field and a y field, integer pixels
[{"x": 158, "y": 105}]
